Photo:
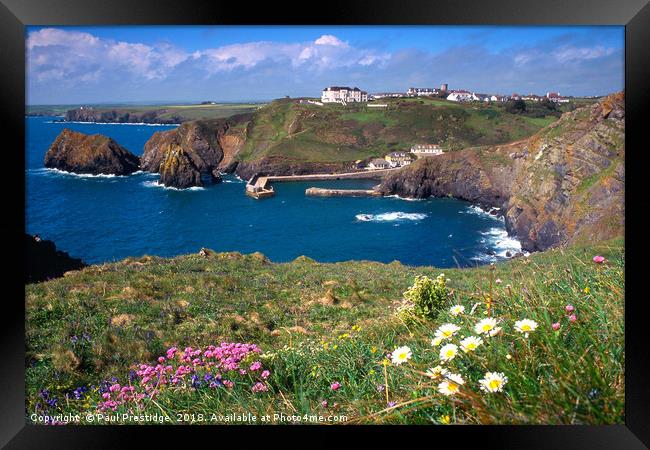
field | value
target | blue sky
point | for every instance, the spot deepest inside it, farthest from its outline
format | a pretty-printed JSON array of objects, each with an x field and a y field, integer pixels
[{"x": 227, "y": 63}]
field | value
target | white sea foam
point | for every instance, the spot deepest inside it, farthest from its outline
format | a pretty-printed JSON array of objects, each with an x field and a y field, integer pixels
[
  {"x": 118, "y": 123},
  {"x": 406, "y": 198},
  {"x": 155, "y": 184},
  {"x": 477, "y": 210},
  {"x": 499, "y": 240},
  {"x": 390, "y": 217},
  {"x": 47, "y": 170}
]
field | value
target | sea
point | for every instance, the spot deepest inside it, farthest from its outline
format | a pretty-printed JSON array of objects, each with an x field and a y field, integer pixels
[{"x": 108, "y": 218}]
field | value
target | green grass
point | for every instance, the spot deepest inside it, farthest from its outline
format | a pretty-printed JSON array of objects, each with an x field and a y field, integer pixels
[
  {"x": 320, "y": 323},
  {"x": 335, "y": 133}
]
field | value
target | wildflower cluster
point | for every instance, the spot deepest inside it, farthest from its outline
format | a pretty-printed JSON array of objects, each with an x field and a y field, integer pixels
[
  {"x": 426, "y": 297},
  {"x": 228, "y": 366},
  {"x": 214, "y": 366}
]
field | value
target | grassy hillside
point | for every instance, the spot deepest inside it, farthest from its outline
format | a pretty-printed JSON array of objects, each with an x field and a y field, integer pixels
[
  {"x": 324, "y": 333},
  {"x": 331, "y": 133}
]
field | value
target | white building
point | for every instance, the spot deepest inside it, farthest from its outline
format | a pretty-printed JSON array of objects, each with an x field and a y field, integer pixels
[
  {"x": 398, "y": 159},
  {"x": 461, "y": 96},
  {"x": 389, "y": 95},
  {"x": 421, "y": 150},
  {"x": 556, "y": 97},
  {"x": 343, "y": 94},
  {"x": 420, "y": 92},
  {"x": 378, "y": 163}
]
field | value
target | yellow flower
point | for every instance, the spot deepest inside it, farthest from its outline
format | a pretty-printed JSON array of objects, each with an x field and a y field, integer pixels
[
  {"x": 356, "y": 328},
  {"x": 335, "y": 346},
  {"x": 493, "y": 382},
  {"x": 586, "y": 290},
  {"x": 371, "y": 372},
  {"x": 373, "y": 349},
  {"x": 445, "y": 420},
  {"x": 436, "y": 341}
]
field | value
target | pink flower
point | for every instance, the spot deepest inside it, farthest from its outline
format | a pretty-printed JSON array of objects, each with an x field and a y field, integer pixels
[
  {"x": 161, "y": 359},
  {"x": 572, "y": 318},
  {"x": 498, "y": 281},
  {"x": 324, "y": 403},
  {"x": 335, "y": 386},
  {"x": 265, "y": 374},
  {"x": 569, "y": 308},
  {"x": 259, "y": 387},
  {"x": 599, "y": 259},
  {"x": 556, "y": 326}
]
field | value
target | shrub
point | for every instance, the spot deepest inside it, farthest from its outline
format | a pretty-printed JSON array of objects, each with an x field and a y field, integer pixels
[{"x": 427, "y": 296}]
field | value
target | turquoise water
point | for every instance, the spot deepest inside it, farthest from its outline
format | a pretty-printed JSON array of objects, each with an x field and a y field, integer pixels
[{"x": 103, "y": 219}]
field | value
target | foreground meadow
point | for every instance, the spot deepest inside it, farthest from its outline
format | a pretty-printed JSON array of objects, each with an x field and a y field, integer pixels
[{"x": 222, "y": 337}]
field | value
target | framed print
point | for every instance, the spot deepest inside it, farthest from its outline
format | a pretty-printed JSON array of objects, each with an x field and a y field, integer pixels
[{"x": 380, "y": 218}]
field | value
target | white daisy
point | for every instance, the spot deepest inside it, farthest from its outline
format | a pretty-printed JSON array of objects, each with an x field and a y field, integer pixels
[
  {"x": 400, "y": 355},
  {"x": 447, "y": 330},
  {"x": 525, "y": 326},
  {"x": 448, "y": 352},
  {"x": 451, "y": 384},
  {"x": 493, "y": 382},
  {"x": 436, "y": 341},
  {"x": 437, "y": 372},
  {"x": 485, "y": 326},
  {"x": 469, "y": 344},
  {"x": 456, "y": 310}
]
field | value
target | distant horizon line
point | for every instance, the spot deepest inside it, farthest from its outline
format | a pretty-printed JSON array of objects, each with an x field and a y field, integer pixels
[{"x": 197, "y": 102}]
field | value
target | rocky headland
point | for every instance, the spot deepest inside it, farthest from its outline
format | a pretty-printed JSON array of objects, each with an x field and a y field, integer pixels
[
  {"x": 93, "y": 154},
  {"x": 564, "y": 184},
  {"x": 120, "y": 116},
  {"x": 190, "y": 155}
]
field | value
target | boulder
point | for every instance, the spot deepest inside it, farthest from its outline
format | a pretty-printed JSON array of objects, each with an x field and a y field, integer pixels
[{"x": 93, "y": 154}]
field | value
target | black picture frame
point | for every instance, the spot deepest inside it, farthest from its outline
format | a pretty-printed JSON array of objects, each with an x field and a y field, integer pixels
[{"x": 16, "y": 14}]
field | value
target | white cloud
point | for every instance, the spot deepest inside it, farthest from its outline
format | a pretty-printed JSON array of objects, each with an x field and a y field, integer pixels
[
  {"x": 570, "y": 53},
  {"x": 58, "y": 54},
  {"x": 328, "y": 39},
  {"x": 54, "y": 36}
]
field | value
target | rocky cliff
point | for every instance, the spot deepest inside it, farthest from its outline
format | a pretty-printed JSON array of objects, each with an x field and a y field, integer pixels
[
  {"x": 43, "y": 261},
  {"x": 92, "y": 154},
  {"x": 119, "y": 116},
  {"x": 192, "y": 154},
  {"x": 562, "y": 185},
  {"x": 279, "y": 165}
]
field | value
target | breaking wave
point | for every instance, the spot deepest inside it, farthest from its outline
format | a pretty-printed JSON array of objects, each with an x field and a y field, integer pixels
[
  {"x": 390, "y": 217},
  {"x": 501, "y": 243},
  {"x": 155, "y": 184},
  {"x": 477, "y": 210},
  {"x": 50, "y": 171}
]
